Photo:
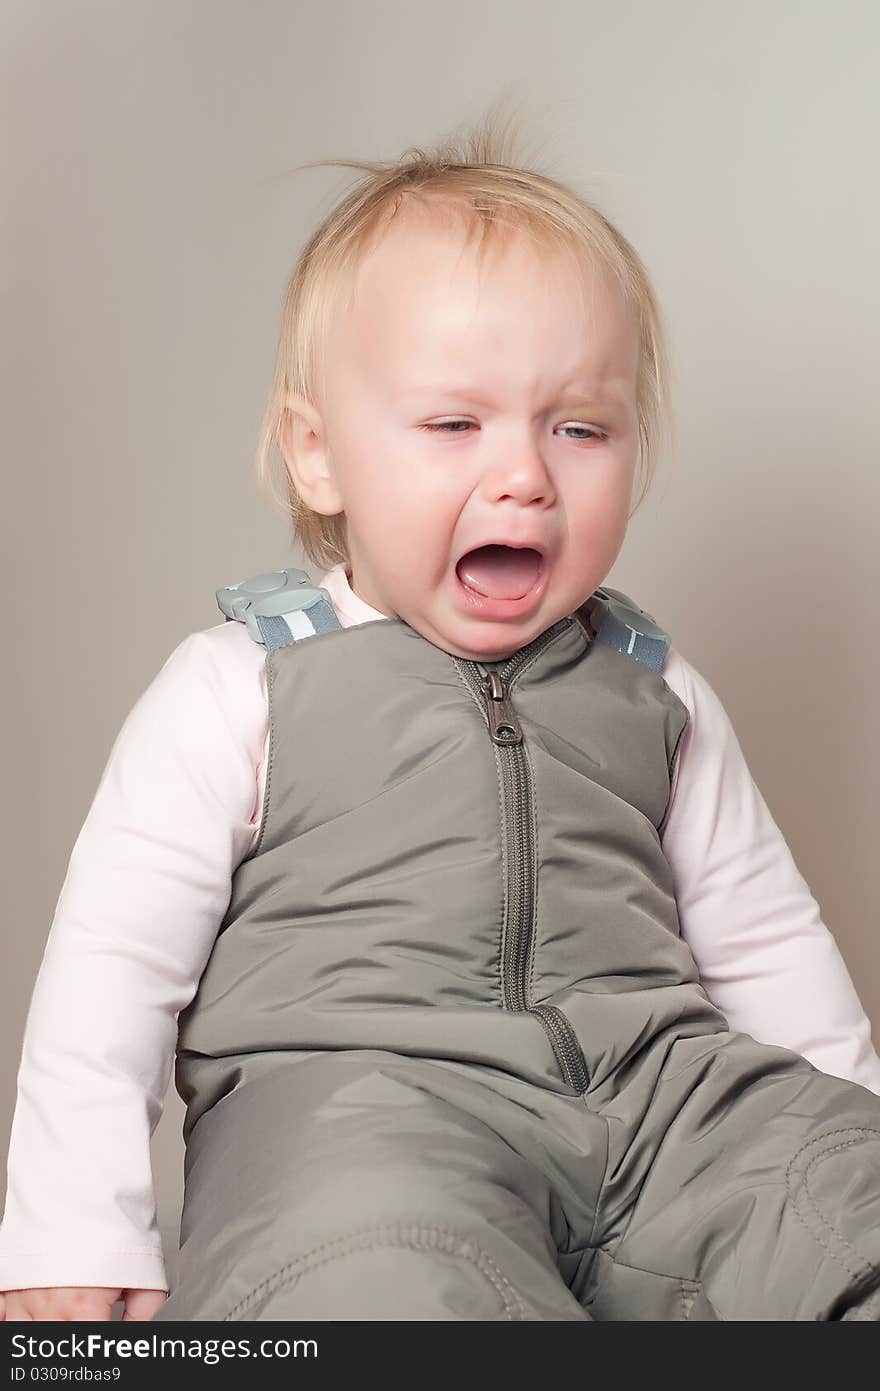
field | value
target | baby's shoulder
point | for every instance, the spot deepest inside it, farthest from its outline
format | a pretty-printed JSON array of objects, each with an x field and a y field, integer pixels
[
  {"x": 223, "y": 661},
  {"x": 706, "y": 709},
  {"x": 228, "y": 644}
]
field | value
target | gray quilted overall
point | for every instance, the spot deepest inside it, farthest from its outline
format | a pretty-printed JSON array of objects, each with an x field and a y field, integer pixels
[{"x": 450, "y": 1057}]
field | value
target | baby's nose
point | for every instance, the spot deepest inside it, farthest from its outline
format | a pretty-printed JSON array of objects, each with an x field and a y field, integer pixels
[{"x": 521, "y": 475}]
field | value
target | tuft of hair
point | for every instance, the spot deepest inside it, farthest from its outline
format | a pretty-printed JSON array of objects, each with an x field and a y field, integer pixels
[{"x": 479, "y": 173}]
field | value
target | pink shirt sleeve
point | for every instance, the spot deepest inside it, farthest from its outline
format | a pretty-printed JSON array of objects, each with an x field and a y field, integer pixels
[
  {"x": 765, "y": 956},
  {"x": 147, "y": 886}
]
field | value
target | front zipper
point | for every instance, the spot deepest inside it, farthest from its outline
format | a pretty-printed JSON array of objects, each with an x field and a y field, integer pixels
[{"x": 491, "y": 690}]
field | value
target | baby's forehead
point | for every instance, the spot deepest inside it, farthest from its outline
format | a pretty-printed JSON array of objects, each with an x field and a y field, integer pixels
[
  {"x": 423, "y": 306},
  {"x": 430, "y": 273}
]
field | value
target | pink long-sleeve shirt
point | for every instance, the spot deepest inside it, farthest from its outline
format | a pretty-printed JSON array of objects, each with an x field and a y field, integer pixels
[{"x": 178, "y": 807}]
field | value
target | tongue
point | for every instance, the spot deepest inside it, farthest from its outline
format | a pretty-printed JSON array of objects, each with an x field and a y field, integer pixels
[{"x": 499, "y": 572}]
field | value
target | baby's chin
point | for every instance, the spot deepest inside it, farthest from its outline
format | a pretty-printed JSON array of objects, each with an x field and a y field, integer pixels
[
  {"x": 450, "y": 621},
  {"x": 480, "y": 642}
]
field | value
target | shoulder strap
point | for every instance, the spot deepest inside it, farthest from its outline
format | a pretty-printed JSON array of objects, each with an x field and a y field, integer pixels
[
  {"x": 618, "y": 622},
  {"x": 283, "y": 606},
  {"x": 279, "y": 607}
]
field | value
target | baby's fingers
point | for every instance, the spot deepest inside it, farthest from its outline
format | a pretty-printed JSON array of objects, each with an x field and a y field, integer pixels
[
  {"x": 142, "y": 1304},
  {"x": 61, "y": 1304}
]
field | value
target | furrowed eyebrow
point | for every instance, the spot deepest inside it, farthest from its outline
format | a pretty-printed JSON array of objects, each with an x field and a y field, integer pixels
[
  {"x": 462, "y": 394},
  {"x": 576, "y": 397}
]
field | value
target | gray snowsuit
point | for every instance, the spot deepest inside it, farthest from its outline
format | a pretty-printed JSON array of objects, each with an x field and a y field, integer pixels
[{"x": 450, "y": 1057}]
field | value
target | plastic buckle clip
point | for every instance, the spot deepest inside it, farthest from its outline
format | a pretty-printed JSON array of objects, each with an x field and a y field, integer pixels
[
  {"x": 270, "y": 595},
  {"x": 636, "y": 619}
]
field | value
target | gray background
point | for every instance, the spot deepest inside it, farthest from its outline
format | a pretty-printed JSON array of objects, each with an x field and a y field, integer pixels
[{"x": 147, "y": 238}]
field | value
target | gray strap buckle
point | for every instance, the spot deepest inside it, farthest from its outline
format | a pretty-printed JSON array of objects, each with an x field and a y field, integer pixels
[
  {"x": 619, "y": 623},
  {"x": 636, "y": 619},
  {"x": 270, "y": 595}
]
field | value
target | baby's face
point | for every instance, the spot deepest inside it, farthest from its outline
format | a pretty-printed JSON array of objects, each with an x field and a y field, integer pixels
[{"x": 532, "y": 377}]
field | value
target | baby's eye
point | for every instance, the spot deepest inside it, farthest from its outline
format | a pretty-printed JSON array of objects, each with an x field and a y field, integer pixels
[
  {"x": 586, "y": 430},
  {"x": 451, "y": 426}
]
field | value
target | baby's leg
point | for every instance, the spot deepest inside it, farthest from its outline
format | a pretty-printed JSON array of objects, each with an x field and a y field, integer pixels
[
  {"x": 761, "y": 1202},
  {"x": 354, "y": 1185}
]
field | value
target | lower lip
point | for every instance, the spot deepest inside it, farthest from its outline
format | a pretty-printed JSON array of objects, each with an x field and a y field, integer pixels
[{"x": 483, "y": 606}]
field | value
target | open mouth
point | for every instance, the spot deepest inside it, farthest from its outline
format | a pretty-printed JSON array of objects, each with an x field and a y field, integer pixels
[{"x": 501, "y": 572}]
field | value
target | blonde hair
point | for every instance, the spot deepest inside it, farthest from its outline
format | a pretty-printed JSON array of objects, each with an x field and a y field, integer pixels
[{"x": 477, "y": 175}]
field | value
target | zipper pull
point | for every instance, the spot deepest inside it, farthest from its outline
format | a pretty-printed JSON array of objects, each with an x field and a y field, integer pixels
[{"x": 504, "y": 727}]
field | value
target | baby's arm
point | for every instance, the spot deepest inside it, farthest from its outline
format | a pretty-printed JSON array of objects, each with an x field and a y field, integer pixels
[
  {"x": 147, "y": 886},
  {"x": 765, "y": 956}
]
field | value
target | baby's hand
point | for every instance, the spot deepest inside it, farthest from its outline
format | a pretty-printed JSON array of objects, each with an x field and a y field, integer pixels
[{"x": 74, "y": 1304}]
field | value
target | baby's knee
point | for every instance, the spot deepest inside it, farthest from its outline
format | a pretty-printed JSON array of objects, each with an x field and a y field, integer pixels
[{"x": 401, "y": 1270}]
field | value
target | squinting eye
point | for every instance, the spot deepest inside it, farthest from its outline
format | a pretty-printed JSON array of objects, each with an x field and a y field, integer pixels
[
  {"x": 451, "y": 427},
  {"x": 590, "y": 432}
]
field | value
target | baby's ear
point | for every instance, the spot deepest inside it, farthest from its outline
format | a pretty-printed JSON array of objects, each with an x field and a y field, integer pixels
[{"x": 303, "y": 444}]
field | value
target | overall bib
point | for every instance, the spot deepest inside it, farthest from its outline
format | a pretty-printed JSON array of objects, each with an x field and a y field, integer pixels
[{"x": 450, "y": 1057}]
